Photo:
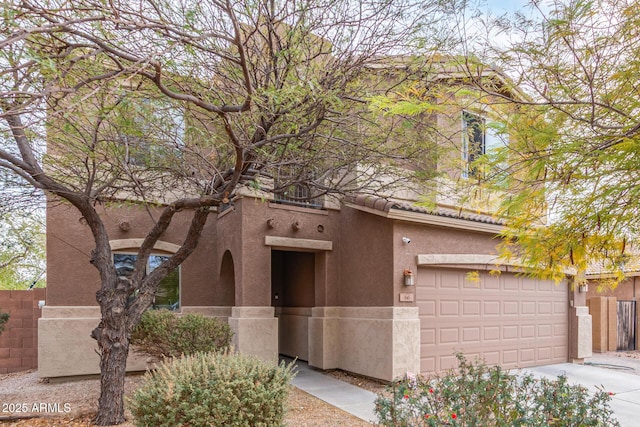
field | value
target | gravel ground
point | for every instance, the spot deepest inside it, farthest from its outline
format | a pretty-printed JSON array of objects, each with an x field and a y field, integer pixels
[
  {"x": 626, "y": 361},
  {"x": 73, "y": 403}
]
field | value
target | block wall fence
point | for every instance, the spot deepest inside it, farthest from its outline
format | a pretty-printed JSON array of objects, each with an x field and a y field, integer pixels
[{"x": 19, "y": 341}]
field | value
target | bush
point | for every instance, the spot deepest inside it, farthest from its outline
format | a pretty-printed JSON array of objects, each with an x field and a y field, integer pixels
[
  {"x": 477, "y": 395},
  {"x": 212, "y": 389},
  {"x": 4, "y": 318},
  {"x": 163, "y": 334}
]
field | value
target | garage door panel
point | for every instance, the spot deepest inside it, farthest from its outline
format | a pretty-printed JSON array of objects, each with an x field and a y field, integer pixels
[
  {"x": 448, "y": 336},
  {"x": 491, "y": 333},
  {"x": 510, "y": 332},
  {"x": 511, "y": 286},
  {"x": 544, "y": 354},
  {"x": 545, "y": 307},
  {"x": 428, "y": 364},
  {"x": 545, "y": 330},
  {"x": 471, "y": 335},
  {"x": 510, "y": 308},
  {"x": 428, "y": 308},
  {"x": 449, "y": 281},
  {"x": 491, "y": 282},
  {"x": 560, "y": 308},
  {"x": 428, "y": 336},
  {"x": 491, "y": 308},
  {"x": 449, "y": 308},
  {"x": 505, "y": 319},
  {"x": 528, "y": 307},
  {"x": 471, "y": 308}
]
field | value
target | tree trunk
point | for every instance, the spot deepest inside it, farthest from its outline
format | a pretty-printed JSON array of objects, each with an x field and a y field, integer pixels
[{"x": 113, "y": 342}]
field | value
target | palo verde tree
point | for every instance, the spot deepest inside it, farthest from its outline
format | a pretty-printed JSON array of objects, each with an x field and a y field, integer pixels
[
  {"x": 570, "y": 174},
  {"x": 178, "y": 104}
]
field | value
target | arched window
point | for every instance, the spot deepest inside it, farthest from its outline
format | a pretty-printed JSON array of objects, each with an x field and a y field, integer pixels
[{"x": 168, "y": 294}]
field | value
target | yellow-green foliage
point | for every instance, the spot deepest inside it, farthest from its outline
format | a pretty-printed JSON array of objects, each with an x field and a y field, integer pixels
[{"x": 213, "y": 389}]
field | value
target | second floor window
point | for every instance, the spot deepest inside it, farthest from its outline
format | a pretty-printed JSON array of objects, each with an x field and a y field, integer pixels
[
  {"x": 293, "y": 187},
  {"x": 473, "y": 141},
  {"x": 479, "y": 137}
]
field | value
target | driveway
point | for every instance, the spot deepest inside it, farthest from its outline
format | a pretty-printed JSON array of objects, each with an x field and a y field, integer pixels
[{"x": 604, "y": 372}]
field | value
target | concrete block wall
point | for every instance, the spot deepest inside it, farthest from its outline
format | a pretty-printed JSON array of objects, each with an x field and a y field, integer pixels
[{"x": 19, "y": 341}]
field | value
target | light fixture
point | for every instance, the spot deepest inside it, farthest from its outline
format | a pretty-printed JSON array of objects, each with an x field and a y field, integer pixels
[{"x": 408, "y": 277}]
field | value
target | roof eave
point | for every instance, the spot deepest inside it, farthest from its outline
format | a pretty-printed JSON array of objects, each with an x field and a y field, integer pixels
[{"x": 430, "y": 219}]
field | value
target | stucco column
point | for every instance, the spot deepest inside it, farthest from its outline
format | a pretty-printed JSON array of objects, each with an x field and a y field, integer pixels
[
  {"x": 324, "y": 337},
  {"x": 255, "y": 332},
  {"x": 581, "y": 336},
  {"x": 379, "y": 342}
]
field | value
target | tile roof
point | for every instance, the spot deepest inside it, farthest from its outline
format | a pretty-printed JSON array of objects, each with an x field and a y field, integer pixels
[
  {"x": 385, "y": 205},
  {"x": 631, "y": 267}
]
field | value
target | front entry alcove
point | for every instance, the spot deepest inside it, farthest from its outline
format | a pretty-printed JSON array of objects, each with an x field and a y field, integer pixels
[{"x": 293, "y": 296}]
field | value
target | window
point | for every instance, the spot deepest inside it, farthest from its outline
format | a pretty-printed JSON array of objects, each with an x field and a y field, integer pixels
[
  {"x": 473, "y": 141},
  {"x": 293, "y": 188},
  {"x": 156, "y": 132},
  {"x": 300, "y": 195},
  {"x": 168, "y": 294},
  {"x": 478, "y": 138}
]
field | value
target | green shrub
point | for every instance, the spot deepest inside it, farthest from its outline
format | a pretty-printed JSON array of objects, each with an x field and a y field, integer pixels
[
  {"x": 4, "y": 318},
  {"x": 163, "y": 334},
  {"x": 212, "y": 389},
  {"x": 477, "y": 395}
]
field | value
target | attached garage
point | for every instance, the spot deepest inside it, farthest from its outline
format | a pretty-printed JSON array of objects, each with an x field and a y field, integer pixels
[{"x": 505, "y": 319}]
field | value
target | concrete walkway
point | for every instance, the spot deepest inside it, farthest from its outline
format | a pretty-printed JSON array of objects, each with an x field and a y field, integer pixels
[
  {"x": 625, "y": 385},
  {"x": 349, "y": 398},
  {"x": 625, "y": 402}
]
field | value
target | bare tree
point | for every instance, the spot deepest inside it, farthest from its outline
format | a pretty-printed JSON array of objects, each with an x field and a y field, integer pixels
[{"x": 181, "y": 103}]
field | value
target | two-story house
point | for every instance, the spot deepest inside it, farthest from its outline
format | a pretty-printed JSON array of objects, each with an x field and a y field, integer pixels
[{"x": 373, "y": 285}]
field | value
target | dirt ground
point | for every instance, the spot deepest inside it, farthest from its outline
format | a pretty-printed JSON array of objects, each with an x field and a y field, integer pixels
[{"x": 73, "y": 403}]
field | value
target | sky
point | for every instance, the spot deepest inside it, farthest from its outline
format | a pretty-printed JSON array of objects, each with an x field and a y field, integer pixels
[
  {"x": 499, "y": 7},
  {"x": 509, "y": 6}
]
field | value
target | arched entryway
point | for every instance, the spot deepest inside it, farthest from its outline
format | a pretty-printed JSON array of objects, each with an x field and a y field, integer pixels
[{"x": 227, "y": 291}]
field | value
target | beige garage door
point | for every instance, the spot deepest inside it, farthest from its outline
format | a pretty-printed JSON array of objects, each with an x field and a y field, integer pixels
[{"x": 506, "y": 319}]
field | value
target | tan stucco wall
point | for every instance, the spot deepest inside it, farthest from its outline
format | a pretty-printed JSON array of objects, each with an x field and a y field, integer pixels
[
  {"x": 293, "y": 331},
  {"x": 580, "y": 326},
  {"x": 67, "y": 349},
  {"x": 380, "y": 342},
  {"x": 255, "y": 332}
]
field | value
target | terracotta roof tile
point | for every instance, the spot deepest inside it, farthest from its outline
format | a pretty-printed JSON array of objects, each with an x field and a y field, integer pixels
[{"x": 385, "y": 205}]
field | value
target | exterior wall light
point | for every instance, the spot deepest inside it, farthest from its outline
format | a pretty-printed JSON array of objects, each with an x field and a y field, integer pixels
[
  {"x": 583, "y": 288},
  {"x": 408, "y": 277}
]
